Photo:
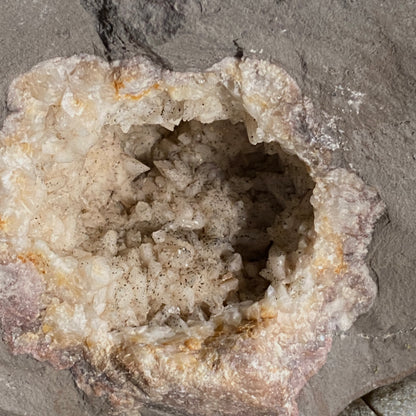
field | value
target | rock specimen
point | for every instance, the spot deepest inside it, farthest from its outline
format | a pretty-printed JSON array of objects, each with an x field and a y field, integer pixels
[{"x": 179, "y": 240}]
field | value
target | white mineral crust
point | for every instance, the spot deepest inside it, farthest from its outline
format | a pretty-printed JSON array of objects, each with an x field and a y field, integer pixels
[{"x": 178, "y": 239}]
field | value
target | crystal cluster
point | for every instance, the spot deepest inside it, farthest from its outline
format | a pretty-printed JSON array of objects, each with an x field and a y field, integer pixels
[{"x": 179, "y": 240}]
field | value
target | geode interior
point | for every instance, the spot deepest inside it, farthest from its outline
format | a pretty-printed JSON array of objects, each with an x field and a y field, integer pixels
[{"x": 179, "y": 240}]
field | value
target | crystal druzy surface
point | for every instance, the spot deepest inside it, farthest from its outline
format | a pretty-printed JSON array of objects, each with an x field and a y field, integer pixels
[{"x": 180, "y": 241}]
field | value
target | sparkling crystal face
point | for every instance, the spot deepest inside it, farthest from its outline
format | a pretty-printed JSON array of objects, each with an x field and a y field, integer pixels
[{"x": 177, "y": 228}]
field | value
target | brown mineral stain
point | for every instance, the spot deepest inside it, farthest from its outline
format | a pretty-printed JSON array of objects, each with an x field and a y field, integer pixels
[
  {"x": 11, "y": 140},
  {"x": 268, "y": 313},
  {"x": 78, "y": 102},
  {"x": 342, "y": 267},
  {"x": 193, "y": 344},
  {"x": 183, "y": 362},
  {"x": 3, "y": 224},
  {"x": 338, "y": 266},
  {"x": 26, "y": 148},
  {"x": 257, "y": 100},
  {"x": 247, "y": 328},
  {"x": 46, "y": 328},
  {"x": 143, "y": 93},
  {"x": 36, "y": 259},
  {"x": 60, "y": 279},
  {"x": 89, "y": 343},
  {"x": 14, "y": 140},
  {"x": 118, "y": 85}
]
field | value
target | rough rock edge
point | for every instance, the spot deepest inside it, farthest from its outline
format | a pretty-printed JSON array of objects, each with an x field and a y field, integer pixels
[{"x": 232, "y": 384}]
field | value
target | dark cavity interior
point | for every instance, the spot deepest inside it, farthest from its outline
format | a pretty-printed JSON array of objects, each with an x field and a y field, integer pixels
[{"x": 208, "y": 211}]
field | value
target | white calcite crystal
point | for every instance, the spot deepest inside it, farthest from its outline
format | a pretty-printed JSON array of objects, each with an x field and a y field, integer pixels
[{"x": 179, "y": 240}]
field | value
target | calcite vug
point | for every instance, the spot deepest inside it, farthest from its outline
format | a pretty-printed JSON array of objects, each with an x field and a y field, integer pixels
[{"x": 179, "y": 240}]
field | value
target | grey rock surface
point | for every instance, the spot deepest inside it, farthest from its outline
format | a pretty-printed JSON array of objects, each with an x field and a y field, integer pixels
[
  {"x": 355, "y": 60},
  {"x": 29, "y": 387},
  {"x": 395, "y": 400},
  {"x": 398, "y": 399},
  {"x": 358, "y": 408}
]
